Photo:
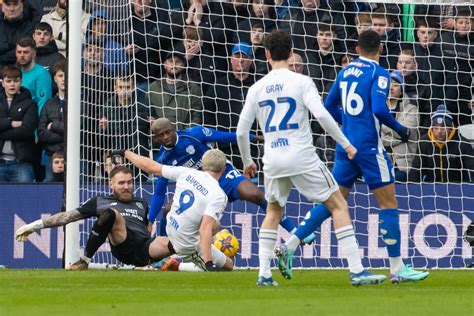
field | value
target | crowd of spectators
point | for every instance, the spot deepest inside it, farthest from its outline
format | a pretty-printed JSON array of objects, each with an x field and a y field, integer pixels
[{"x": 193, "y": 62}]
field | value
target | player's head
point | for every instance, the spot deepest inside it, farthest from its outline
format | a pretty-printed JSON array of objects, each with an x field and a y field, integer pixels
[
  {"x": 121, "y": 183},
  {"x": 214, "y": 160},
  {"x": 278, "y": 45},
  {"x": 164, "y": 133},
  {"x": 368, "y": 44}
]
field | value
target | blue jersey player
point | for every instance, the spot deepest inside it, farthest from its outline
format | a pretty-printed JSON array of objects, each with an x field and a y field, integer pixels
[
  {"x": 362, "y": 89},
  {"x": 186, "y": 148}
]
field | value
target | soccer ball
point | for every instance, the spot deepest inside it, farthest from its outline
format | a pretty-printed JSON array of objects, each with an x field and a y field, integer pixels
[{"x": 227, "y": 243}]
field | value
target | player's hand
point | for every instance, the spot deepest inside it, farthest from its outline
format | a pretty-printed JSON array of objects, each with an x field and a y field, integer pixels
[
  {"x": 211, "y": 267},
  {"x": 351, "y": 152},
  {"x": 24, "y": 231},
  {"x": 250, "y": 171},
  {"x": 259, "y": 138},
  {"x": 149, "y": 227},
  {"x": 117, "y": 153},
  {"x": 404, "y": 133}
]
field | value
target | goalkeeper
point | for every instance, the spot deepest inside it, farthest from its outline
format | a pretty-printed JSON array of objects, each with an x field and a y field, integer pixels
[
  {"x": 121, "y": 216},
  {"x": 186, "y": 148}
]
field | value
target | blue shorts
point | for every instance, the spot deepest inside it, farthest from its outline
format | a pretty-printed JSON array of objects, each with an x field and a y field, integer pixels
[
  {"x": 377, "y": 170},
  {"x": 229, "y": 182}
]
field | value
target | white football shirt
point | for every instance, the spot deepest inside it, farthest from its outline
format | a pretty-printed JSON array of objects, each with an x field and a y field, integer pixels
[
  {"x": 280, "y": 101},
  {"x": 197, "y": 194}
]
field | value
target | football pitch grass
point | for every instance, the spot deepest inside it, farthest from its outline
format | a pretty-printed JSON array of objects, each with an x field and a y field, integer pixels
[{"x": 311, "y": 292}]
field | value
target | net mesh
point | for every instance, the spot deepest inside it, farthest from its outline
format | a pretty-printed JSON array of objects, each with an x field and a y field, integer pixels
[{"x": 148, "y": 59}]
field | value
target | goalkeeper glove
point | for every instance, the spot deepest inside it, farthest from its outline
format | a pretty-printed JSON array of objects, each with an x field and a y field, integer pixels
[
  {"x": 117, "y": 153},
  {"x": 404, "y": 134},
  {"x": 24, "y": 231},
  {"x": 211, "y": 267}
]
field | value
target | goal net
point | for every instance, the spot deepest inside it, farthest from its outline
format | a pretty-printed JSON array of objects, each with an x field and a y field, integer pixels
[{"x": 146, "y": 59}]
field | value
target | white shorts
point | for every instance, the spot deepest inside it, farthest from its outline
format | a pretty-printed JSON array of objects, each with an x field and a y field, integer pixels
[
  {"x": 190, "y": 250},
  {"x": 316, "y": 185}
]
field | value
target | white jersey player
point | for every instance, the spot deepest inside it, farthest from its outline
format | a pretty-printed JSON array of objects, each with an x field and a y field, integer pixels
[
  {"x": 280, "y": 101},
  {"x": 198, "y": 204}
]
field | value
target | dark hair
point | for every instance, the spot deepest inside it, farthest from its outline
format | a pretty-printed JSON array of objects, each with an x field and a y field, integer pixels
[
  {"x": 11, "y": 71},
  {"x": 324, "y": 27},
  {"x": 408, "y": 52},
  {"x": 429, "y": 23},
  {"x": 463, "y": 13},
  {"x": 12, "y": 1},
  {"x": 43, "y": 26},
  {"x": 368, "y": 42},
  {"x": 120, "y": 169},
  {"x": 26, "y": 42},
  {"x": 60, "y": 65},
  {"x": 58, "y": 154},
  {"x": 381, "y": 13},
  {"x": 278, "y": 43}
]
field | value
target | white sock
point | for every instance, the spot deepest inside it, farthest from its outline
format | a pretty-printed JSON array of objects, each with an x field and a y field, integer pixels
[
  {"x": 266, "y": 246},
  {"x": 349, "y": 248},
  {"x": 293, "y": 243},
  {"x": 396, "y": 264},
  {"x": 188, "y": 266}
]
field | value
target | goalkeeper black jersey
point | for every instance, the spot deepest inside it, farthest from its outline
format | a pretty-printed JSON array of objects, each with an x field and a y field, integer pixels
[{"x": 134, "y": 212}]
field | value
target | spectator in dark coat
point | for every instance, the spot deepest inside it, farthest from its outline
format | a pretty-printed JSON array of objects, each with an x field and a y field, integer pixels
[
  {"x": 51, "y": 122},
  {"x": 17, "y": 21},
  {"x": 47, "y": 54},
  {"x": 457, "y": 49},
  {"x": 383, "y": 24},
  {"x": 18, "y": 121}
]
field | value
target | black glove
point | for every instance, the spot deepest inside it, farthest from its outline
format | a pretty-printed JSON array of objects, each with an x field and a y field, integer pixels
[
  {"x": 211, "y": 267},
  {"x": 469, "y": 235},
  {"x": 404, "y": 134},
  {"x": 117, "y": 153}
]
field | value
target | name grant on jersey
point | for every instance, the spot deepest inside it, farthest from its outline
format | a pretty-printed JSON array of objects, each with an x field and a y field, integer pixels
[
  {"x": 274, "y": 88},
  {"x": 352, "y": 71},
  {"x": 198, "y": 186}
]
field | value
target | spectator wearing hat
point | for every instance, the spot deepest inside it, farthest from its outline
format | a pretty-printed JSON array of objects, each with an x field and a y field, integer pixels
[
  {"x": 443, "y": 155},
  {"x": 407, "y": 114},
  {"x": 174, "y": 97},
  {"x": 224, "y": 101}
]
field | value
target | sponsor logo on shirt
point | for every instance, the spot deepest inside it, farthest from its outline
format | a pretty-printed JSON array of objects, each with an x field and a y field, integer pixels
[
  {"x": 280, "y": 142},
  {"x": 139, "y": 205},
  {"x": 206, "y": 131},
  {"x": 113, "y": 203}
]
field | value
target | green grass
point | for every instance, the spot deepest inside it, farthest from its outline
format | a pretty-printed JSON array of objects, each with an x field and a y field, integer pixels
[{"x": 136, "y": 293}]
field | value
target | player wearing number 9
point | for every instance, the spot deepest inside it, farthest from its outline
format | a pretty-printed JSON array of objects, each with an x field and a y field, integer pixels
[{"x": 197, "y": 206}]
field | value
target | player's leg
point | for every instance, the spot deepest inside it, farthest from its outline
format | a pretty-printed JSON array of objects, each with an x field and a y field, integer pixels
[
  {"x": 378, "y": 174},
  {"x": 389, "y": 228},
  {"x": 345, "y": 172},
  {"x": 248, "y": 191},
  {"x": 276, "y": 192},
  {"x": 109, "y": 222}
]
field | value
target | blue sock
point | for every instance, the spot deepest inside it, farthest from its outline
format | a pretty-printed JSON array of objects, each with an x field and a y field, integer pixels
[
  {"x": 313, "y": 219},
  {"x": 163, "y": 227},
  {"x": 285, "y": 222},
  {"x": 389, "y": 227}
]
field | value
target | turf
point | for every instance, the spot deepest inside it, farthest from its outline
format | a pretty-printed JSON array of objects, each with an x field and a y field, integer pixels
[{"x": 134, "y": 293}]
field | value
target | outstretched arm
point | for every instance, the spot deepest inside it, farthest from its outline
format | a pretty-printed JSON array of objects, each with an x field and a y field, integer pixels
[
  {"x": 56, "y": 220},
  {"x": 144, "y": 163}
]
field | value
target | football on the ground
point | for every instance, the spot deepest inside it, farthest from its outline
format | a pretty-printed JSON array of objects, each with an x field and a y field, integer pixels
[{"x": 227, "y": 243}]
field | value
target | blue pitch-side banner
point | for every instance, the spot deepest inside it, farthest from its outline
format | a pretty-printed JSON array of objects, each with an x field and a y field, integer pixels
[{"x": 431, "y": 231}]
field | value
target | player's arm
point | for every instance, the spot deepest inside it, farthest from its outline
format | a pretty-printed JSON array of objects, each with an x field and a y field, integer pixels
[
  {"x": 56, "y": 220},
  {"x": 312, "y": 101},
  {"x": 158, "y": 198},
  {"x": 379, "y": 94},
  {"x": 205, "y": 238},
  {"x": 213, "y": 135},
  {"x": 143, "y": 163},
  {"x": 247, "y": 117},
  {"x": 332, "y": 102}
]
